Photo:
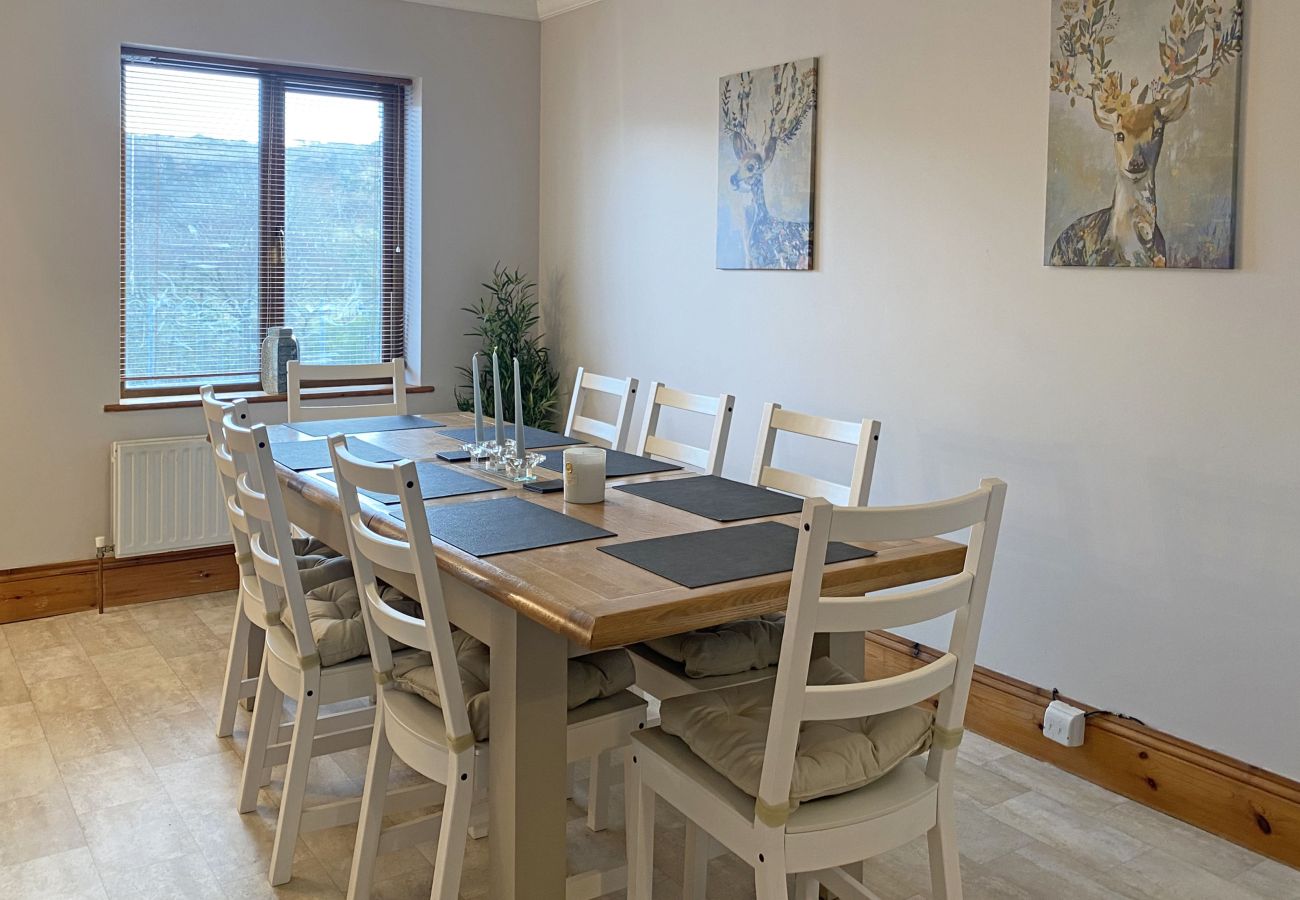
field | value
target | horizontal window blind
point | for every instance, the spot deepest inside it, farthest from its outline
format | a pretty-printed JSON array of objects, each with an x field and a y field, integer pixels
[{"x": 255, "y": 197}]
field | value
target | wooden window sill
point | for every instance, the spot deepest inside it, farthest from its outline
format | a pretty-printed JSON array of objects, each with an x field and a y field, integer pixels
[{"x": 129, "y": 404}]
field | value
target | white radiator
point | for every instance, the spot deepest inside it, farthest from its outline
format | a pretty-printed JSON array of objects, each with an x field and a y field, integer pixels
[{"x": 166, "y": 497}]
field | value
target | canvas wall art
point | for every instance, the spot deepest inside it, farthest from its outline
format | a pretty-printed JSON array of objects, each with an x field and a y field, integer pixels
[
  {"x": 766, "y": 139},
  {"x": 1142, "y": 139}
]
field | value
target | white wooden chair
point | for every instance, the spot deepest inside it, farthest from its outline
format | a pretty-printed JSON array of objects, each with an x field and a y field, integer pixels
[
  {"x": 708, "y": 460},
  {"x": 292, "y": 664},
  {"x": 610, "y": 435},
  {"x": 394, "y": 371},
  {"x": 820, "y": 839},
  {"x": 661, "y": 675},
  {"x": 438, "y": 741}
]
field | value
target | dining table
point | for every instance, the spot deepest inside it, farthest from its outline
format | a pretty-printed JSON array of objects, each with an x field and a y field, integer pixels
[{"x": 537, "y": 608}]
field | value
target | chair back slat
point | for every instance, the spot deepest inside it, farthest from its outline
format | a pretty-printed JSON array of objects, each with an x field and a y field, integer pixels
[
  {"x": 864, "y": 436},
  {"x": 614, "y": 435},
  {"x": 393, "y": 372},
  {"x": 850, "y": 701},
  {"x": 214, "y": 412},
  {"x": 808, "y": 612},
  {"x": 372, "y": 551},
  {"x": 841, "y": 614},
  {"x": 905, "y": 523},
  {"x": 709, "y": 460}
]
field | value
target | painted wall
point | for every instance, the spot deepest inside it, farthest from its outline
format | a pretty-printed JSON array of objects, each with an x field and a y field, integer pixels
[
  {"x": 59, "y": 177},
  {"x": 1146, "y": 422}
]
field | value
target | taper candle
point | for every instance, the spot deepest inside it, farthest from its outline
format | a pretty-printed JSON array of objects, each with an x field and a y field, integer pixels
[
  {"x": 496, "y": 401},
  {"x": 519, "y": 414},
  {"x": 478, "y": 404}
]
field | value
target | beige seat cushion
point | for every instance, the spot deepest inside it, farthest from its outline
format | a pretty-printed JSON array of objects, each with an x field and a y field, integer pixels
[
  {"x": 336, "y": 622},
  {"x": 592, "y": 677},
  {"x": 728, "y": 730},
  {"x": 725, "y": 649}
]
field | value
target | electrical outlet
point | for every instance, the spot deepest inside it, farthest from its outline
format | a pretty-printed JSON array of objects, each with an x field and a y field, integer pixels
[{"x": 1064, "y": 724}]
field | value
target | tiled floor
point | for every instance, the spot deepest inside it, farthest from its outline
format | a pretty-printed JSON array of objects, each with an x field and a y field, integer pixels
[{"x": 112, "y": 785}]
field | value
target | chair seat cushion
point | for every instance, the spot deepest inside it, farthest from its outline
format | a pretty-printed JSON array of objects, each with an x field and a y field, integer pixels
[
  {"x": 334, "y": 611},
  {"x": 725, "y": 649},
  {"x": 728, "y": 730},
  {"x": 592, "y": 677}
]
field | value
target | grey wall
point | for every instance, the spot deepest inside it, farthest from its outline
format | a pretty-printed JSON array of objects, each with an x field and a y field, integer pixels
[
  {"x": 1146, "y": 422},
  {"x": 59, "y": 177}
]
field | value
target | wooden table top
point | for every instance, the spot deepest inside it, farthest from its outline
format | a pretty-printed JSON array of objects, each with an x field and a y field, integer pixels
[{"x": 598, "y": 601}]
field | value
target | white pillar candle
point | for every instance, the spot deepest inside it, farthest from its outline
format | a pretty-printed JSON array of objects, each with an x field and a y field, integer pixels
[
  {"x": 478, "y": 404},
  {"x": 496, "y": 401},
  {"x": 519, "y": 414},
  {"x": 584, "y": 475}
]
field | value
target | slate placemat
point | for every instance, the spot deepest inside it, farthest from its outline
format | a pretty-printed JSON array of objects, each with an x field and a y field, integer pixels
[
  {"x": 303, "y": 455},
  {"x": 436, "y": 482},
  {"x": 617, "y": 463},
  {"x": 488, "y": 527},
  {"x": 533, "y": 437},
  {"x": 720, "y": 499},
  {"x": 703, "y": 558},
  {"x": 326, "y": 427}
]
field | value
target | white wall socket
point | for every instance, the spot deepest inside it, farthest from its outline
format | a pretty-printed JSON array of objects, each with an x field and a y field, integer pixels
[{"x": 1064, "y": 724}]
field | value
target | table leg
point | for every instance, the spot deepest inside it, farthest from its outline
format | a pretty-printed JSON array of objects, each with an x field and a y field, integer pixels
[{"x": 529, "y": 724}]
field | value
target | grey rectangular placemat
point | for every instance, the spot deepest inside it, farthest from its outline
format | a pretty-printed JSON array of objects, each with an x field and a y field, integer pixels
[
  {"x": 436, "y": 482},
  {"x": 617, "y": 463},
  {"x": 724, "y": 554},
  {"x": 716, "y": 498},
  {"x": 326, "y": 427},
  {"x": 303, "y": 455},
  {"x": 487, "y": 527},
  {"x": 533, "y": 437}
]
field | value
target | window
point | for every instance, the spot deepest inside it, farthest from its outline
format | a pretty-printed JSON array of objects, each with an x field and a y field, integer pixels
[{"x": 254, "y": 197}]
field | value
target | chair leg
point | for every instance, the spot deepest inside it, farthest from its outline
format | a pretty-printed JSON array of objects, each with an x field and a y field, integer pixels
[
  {"x": 945, "y": 863},
  {"x": 454, "y": 831},
  {"x": 629, "y": 811},
  {"x": 266, "y": 721},
  {"x": 806, "y": 887},
  {"x": 598, "y": 792},
  {"x": 640, "y": 880},
  {"x": 769, "y": 881},
  {"x": 695, "y": 877},
  {"x": 366, "y": 850},
  {"x": 295, "y": 785},
  {"x": 236, "y": 658}
]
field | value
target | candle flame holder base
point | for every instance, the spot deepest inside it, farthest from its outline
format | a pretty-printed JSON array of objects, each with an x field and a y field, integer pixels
[{"x": 523, "y": 470}]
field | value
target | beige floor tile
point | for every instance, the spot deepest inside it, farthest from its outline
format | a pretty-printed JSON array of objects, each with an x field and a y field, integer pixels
[
  {"x": 333, "y": 847},
  {"x": 70, "y": 875},
  {"x": 983, "y": 838},
  {"x": 201, "y": 671},
  {"x": 1180, "y": 840},
  {"x": 152, "y": 698},
  {"x": 1159, "y": 876},
  {"x": 38, "y": 826},
  {"x": 182, "y": 640},
  {"x": 983, "y": 786},
  {"x": 1272, "y": 879},
  {"x": 1065, "y": 827},
  {"x": 72, "y": 694},
  {"x": 109, "y": 779},
  {"x": 12, "y": 687},
  {"x": 26, "y": 770},
  {"x": 72, "y": 735},
  {"x": 1043, "y": 871},
  {"x": 218, "y": 621},
  {"x": 236, "y": 846},
  {"x": 35, "y": 635},
  {"x": 135, "y": 835},
  {"x": 130, "y": 664},
  {"x": 55, "y": 662},
  {"x": 978, "y": 749},
  {"x": 310, "y": 882},
  {"x": 1049, "y": 781},
  {"x": 186, "y": 876},
  {"x": 19, "y": 724},
  {"x": 166, "y": 614},
  {"x": 112, "y": 632},
  {"x": 169, "y": 739}
]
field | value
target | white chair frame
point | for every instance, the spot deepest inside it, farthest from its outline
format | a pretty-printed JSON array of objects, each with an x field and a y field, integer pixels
[
  {"x": 291, "y": 665},
  {"x": 610, "y": 435},
  {"x": 821, "y": 839},
  {"x": 708, "y": 460},
  {"x": 663, "y": 678},
  {"x": 449, "y": 755},
  {"x": 394, "y": 370}
]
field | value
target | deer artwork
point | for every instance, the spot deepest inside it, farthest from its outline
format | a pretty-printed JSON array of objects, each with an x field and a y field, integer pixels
[
  {"x": 770, "y": 242},
  {"x": 1195, "y": 46}
]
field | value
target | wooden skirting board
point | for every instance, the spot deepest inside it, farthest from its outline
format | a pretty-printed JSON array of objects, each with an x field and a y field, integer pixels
[
  {"x": 1217, "y": 793},
  {"x": 52, "y": 590}
]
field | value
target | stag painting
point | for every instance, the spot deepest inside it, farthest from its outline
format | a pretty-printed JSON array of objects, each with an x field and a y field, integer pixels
[
  {"x": 766, "y": 131},
  {"x": 1111, "y": 134}
]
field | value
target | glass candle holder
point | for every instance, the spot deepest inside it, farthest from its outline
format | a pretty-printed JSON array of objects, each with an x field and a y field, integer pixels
[{"x": 523, "y": 470}]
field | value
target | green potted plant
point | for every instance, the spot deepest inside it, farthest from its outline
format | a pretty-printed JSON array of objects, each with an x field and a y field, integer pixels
[{"x": 506, "y": 321}]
